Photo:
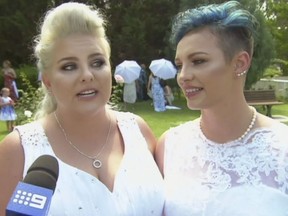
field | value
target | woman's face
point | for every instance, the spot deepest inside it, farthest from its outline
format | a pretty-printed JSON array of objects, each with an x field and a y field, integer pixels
[
  {"x": 80, "y": 74},
  {"x": 204, "y": 75}
]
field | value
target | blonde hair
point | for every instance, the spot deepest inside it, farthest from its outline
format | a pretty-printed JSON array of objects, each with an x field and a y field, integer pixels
[
  {"x": 60, "y": 22},
  {"x": 5, "y": 89},
  {"x": 7, "y": 62}
]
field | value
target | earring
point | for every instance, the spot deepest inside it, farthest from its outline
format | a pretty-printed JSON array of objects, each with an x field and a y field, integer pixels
[
  {"x": 241, "y": 74},
  {"x": 49, "y": 92}
]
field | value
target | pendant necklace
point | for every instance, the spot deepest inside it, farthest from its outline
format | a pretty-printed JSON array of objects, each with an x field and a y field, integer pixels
[{"x": 96, "y": 162}]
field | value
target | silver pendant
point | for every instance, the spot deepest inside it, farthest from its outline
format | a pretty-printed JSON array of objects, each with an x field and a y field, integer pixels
[{"x": 97, "y": 163}]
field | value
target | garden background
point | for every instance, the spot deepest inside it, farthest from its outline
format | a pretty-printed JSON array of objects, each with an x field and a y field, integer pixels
[{"x": 139, "y": 30}]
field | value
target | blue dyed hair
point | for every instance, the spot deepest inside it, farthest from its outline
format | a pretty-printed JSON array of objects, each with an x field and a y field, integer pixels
[{"x": 235, "y": 27}]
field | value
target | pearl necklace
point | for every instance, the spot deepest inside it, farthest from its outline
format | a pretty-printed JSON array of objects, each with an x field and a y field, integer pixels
[
  {"x": 247, "y": 130},
  {"x": 96, "y": 162}
]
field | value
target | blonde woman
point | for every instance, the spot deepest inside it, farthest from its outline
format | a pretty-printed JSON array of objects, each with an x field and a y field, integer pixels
[{"x": 106, "y": 164}]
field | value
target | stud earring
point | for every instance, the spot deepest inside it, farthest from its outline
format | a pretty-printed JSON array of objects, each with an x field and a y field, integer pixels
[
  {"x": 49, "y": 92},
  {"x": 241, "y": 74}
]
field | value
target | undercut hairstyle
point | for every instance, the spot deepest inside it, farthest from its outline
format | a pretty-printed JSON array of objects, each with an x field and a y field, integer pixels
[
  {"x": 235, "y": 27},
  {"x": 65, "y": 20}
]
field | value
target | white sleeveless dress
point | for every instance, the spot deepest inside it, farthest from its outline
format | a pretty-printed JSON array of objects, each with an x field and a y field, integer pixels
[
  {"x": 247, "y": 178},
  {"x": 138, "y": 185}
]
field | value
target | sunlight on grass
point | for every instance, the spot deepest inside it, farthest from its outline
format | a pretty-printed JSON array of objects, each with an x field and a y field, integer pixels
[
  {"x": 3, "y": 130},
  {"x": 161, "y": 121}
]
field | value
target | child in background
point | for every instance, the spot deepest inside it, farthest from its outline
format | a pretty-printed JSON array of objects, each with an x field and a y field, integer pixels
[{"x": 7, "y": 113}]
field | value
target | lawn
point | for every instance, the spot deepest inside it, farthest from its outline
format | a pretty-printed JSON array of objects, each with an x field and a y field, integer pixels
[
  {"x": 3, "y": 131},
  {"x": 160, "y": 122}
]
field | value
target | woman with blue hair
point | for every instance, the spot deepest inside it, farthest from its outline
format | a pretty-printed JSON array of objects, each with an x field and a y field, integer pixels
[{"x": 232, "y": 160}]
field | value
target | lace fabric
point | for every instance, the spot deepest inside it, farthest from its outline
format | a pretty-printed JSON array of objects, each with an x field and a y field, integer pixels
[
  {"x": 206, "y": 178},
  {"x": 138, "y": 184}
]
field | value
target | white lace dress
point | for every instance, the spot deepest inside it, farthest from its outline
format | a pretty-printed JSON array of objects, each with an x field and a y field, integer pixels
[
  {"x": 138, "y": 185},
  {"x": 249, "y": 178}
]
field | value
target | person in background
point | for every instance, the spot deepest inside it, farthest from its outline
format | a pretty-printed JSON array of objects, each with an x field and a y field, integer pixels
[
  {"x": 168, "y": 93},
  {"x": 7, "y": 112},
  {"x": 157, "y": 93},
  {"x": 106, "y": 164},
  {"x": 231, "y": 160},
  {"x": 10, "y": 80},
  {"x": 130, "y": 93},
  {"x": 141, "y": 84}
]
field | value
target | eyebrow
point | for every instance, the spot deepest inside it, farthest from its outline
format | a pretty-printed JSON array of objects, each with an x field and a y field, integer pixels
[
  {"x": 192, "y": 55},
  {"x": 96, "y": 55},
  {"x": 67, "y": 59},
  {"x": 74, "y": 58}
]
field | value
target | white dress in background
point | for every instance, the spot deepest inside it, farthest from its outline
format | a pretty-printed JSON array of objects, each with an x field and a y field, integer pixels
[
  {"x": 129, "y": 92},
  {"x": 138, "y": 185},
  {"x": 7, "y": 112},
  {"x": 248, "y": 178}
]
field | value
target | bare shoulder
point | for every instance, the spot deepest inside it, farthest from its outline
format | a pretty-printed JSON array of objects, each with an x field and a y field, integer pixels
[
  {"x": 159, "y": 152},
  {"x": 264, "y": 121},
  {"x": 11, "y": 155},
  {"x": 11, "y": 146},
  {"x": 11, "y": 166},
  {"x": 147, "y": 132}
]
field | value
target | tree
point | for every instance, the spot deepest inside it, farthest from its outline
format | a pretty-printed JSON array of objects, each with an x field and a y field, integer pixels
[
  {"x": 276, "y": 13},
  {"x": 186, "y": 4},
  {"x": 18, "y": 24},
  {"x": 138, "y": 28}
]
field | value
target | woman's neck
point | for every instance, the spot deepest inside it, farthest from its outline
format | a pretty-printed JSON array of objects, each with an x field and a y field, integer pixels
[{"x": 228, "y": 124}]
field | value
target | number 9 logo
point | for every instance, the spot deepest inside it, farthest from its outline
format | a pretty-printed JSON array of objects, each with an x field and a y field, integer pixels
[{"x": 38, "y": 201}]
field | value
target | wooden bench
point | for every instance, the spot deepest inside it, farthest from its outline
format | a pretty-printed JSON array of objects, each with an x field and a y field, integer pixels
[{"x": 266, "y": 98}]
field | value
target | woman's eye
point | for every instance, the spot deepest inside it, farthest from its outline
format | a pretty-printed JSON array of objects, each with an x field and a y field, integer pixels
[
  {"x": 198, "y": 61},
  {"x": 68, "y": 67},
  {"x": 98, "y": 63}
]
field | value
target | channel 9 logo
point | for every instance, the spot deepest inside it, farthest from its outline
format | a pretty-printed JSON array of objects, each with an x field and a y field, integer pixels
[{"x": 29, "y": 199}]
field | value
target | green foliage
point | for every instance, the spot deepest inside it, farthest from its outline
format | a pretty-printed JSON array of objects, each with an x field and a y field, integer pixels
[
  {"x": 272, "y": 71},
  {"x": 116, "y": 97},
  {"x": 31, "y": 74},
  {"x": 18, "y": 23},
  {"x": 186, "y": 4},
  {"x": 282, "y": 64},
  {"x": 138, "y": 29},
  {"x": 264, "y": 51},
  {"x": 28, "y": 101},
  {"x": 277, "y": 19}
]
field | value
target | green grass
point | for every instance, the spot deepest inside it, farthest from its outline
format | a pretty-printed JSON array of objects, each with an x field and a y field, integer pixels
[
  {"x": 160, "y": 122},
  {"x": 3, "y": 130}
]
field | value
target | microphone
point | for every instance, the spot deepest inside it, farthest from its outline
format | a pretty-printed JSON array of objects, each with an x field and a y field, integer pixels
[{"x": 32, "y": 196}]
